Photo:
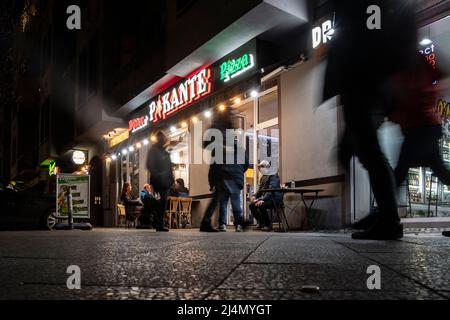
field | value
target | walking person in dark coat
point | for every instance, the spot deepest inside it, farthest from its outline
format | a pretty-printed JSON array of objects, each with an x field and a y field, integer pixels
[
  {"x": 161, "y": 176},
  {"x": 226, "y": 179},
  {"x": 358, "y": 71}
]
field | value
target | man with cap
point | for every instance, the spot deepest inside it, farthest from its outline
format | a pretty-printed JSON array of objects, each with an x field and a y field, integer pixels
[{"x": 263, "y": 201}]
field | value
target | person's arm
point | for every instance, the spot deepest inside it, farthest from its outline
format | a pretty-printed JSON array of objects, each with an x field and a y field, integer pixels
[{"x": 274, "y": 183}]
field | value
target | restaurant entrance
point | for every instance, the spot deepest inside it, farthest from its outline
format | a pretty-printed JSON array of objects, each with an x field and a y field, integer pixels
[{"x": 258, "y": 118}]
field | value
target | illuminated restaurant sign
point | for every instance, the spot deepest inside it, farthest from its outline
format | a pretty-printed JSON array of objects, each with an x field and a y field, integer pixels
[
  {"x": 184, "y": 94},
  {"x": 176, "y": 98},
  {"x": 234, "y": 67},
  {"x": 137, "y": 124}
]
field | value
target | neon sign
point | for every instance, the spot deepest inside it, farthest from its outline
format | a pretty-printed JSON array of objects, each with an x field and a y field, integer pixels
[
  {"x": 322, "y": 34},
  {"x": 137, "y": 124},
  {"x": 197, "y": 86},
  {"x": 235, "y": 67},
  {"x": 429, "y": 54}
]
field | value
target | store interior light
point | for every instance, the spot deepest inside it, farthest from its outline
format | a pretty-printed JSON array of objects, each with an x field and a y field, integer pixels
[
  {"x": 184, "y": 124},
  {"x": 173, "y": 129},
  {"x": 146, "y": 142},
  {"x": 108, "y": 159},
  {"x": 222, "y": 107},
  {"x": 254, "y": 93},
  {"x": 131, "y": 148},
  {"x": 194, "y": 119},
  {"x": 237, "y": 100},
  {"x": 124, "y": 151},
  {"x": 114, "y": 157},
  {"x": 138, "y": 145},
  {"x": 425, "y": 42},
  {"x": 208, "y": 114},
  {"x": 153, "y": 138}
]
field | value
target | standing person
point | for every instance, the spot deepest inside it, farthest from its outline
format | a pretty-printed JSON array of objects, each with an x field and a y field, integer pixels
[
  {"x": 161, "y": 176},
  {"x": 358, "y": 72},
  {"x": 129, "y": 203},
  {"x": 226, "y": 179},
  {"x": 263, "y": 201},
  {"x": 150, "y": 207}
]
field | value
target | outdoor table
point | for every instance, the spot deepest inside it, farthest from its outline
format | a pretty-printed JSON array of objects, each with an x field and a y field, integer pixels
[{"x": 303, "y": 193}]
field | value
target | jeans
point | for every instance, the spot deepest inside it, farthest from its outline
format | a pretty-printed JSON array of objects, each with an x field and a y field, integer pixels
[{"x": 222, "y": 194}]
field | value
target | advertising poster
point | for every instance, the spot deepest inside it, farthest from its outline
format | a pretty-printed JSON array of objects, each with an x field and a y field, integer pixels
[{"x": 79, "y": 188}]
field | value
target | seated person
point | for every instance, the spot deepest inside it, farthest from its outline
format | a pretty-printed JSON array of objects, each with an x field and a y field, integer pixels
[
  {"x": 179, "y": 190},
  {"x": 150, "y": 206},
  {"x": 262, "y": 201},
  {"x": 129, "y": 203}
]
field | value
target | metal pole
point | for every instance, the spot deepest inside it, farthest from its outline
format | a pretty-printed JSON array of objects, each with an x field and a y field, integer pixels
[{"x": 69, "y": 207}]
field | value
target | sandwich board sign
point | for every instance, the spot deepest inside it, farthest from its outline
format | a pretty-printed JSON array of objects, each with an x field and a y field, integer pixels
[{"x": 79, "y": 189}]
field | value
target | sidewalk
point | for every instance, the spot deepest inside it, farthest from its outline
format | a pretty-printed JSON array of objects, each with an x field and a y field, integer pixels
[{"x": 187, "y": 264}]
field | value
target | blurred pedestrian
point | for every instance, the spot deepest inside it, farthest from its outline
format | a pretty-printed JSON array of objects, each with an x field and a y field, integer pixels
[
  {"x": 358, "y": 70},
  {"x": 161, "y": 176},
  {"x": 226, "y": 180}
]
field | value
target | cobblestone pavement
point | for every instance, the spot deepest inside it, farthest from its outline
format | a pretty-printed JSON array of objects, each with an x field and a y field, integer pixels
[{"x": 187, "y": 264}]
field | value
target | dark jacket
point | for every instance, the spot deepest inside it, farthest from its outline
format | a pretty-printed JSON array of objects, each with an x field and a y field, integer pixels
[
  {"x": 160, "y": 167},
  {"x": 269, "y": 182},
  {"x": 130, "y": 205},
  {"x": 234, "y": 170}
]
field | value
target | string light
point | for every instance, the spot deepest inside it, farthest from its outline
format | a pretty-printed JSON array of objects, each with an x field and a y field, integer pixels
[
  {"x": 108, "y": 159},
  {"x": 153, "y": 138},
  {"x": 254, "y": 93},
  {"x": 138, "y": 145},
  {"x": 184, "y": 124},
  {"x": 124, "y": 151},
  {"x": 237, "y": 100},
  {"x": 146, "y": 142},
  {"x": 194, "y": 119},
  {"x": 208, "y": 114},
  {"x": 114, "y": 157},
  {"x": 222, "y": 107},
  {"x": 131, "y": 148}
]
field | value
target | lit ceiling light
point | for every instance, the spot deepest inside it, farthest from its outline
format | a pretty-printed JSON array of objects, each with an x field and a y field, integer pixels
[
  {"x": 108, "y": 159},
  {"x": 131, "y": 148},
  {"x": 146, "y": 142},
  {"x": 153, "y": 138},
  {"x": 114, "y": 157},
  {"x": 124, "y": 151},
  {"x": 138, "y": 145},
  {"x": 194, "y": 119},
  {"x": 184, "y": 124},
  {"x": 222, "y": 107},
  {"x": 173, "y": 129},
  {"x": 208, "y": 114},
  {"x": 425, "y": 42},
  {"x": 237, "y": 100},
  {"x": 254, "y": 93}
]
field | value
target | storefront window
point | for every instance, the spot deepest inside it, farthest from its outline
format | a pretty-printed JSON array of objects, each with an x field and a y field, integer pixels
[
  {"x": 268, "y": 107},
  {"x": 427, "y": 195},
  {"x": 179, "y": 154}
]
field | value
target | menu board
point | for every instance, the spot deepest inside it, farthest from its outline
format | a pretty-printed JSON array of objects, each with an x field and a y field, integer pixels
[{"x": 79, "y": 189}]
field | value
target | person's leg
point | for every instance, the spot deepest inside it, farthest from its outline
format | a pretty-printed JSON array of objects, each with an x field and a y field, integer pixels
[
  {"x": 380, "y": 172},
  {"x": 265, "y": 214},
  {"x": 237, "y": 211},
  {"x": 206, "y": 222},
  {"x": 162, "y": 209},
  {"x": 256, "y": 214},
  {"x": 223, "y": 212}
]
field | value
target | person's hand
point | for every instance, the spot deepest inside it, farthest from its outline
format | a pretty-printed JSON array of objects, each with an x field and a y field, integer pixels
[
  {"x": 259, "y": 203},
  {"x": 253, "y": 199}
]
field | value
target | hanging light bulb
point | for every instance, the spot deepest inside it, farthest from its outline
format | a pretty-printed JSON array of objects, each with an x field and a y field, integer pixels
[
  {"x": 184, "y": 124},
  {"x": 146, "y": 142},
  {"x": 208, "y": 114}
]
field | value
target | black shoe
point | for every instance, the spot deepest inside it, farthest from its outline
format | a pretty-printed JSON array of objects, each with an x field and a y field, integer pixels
[
  {"x": 446, "y": 233},
  {"x": 365, "y": 223},
  {"x": 208, "y": 229},
  {"x": 381, "y": 231},
  {"x": 163, "y": 229}
]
